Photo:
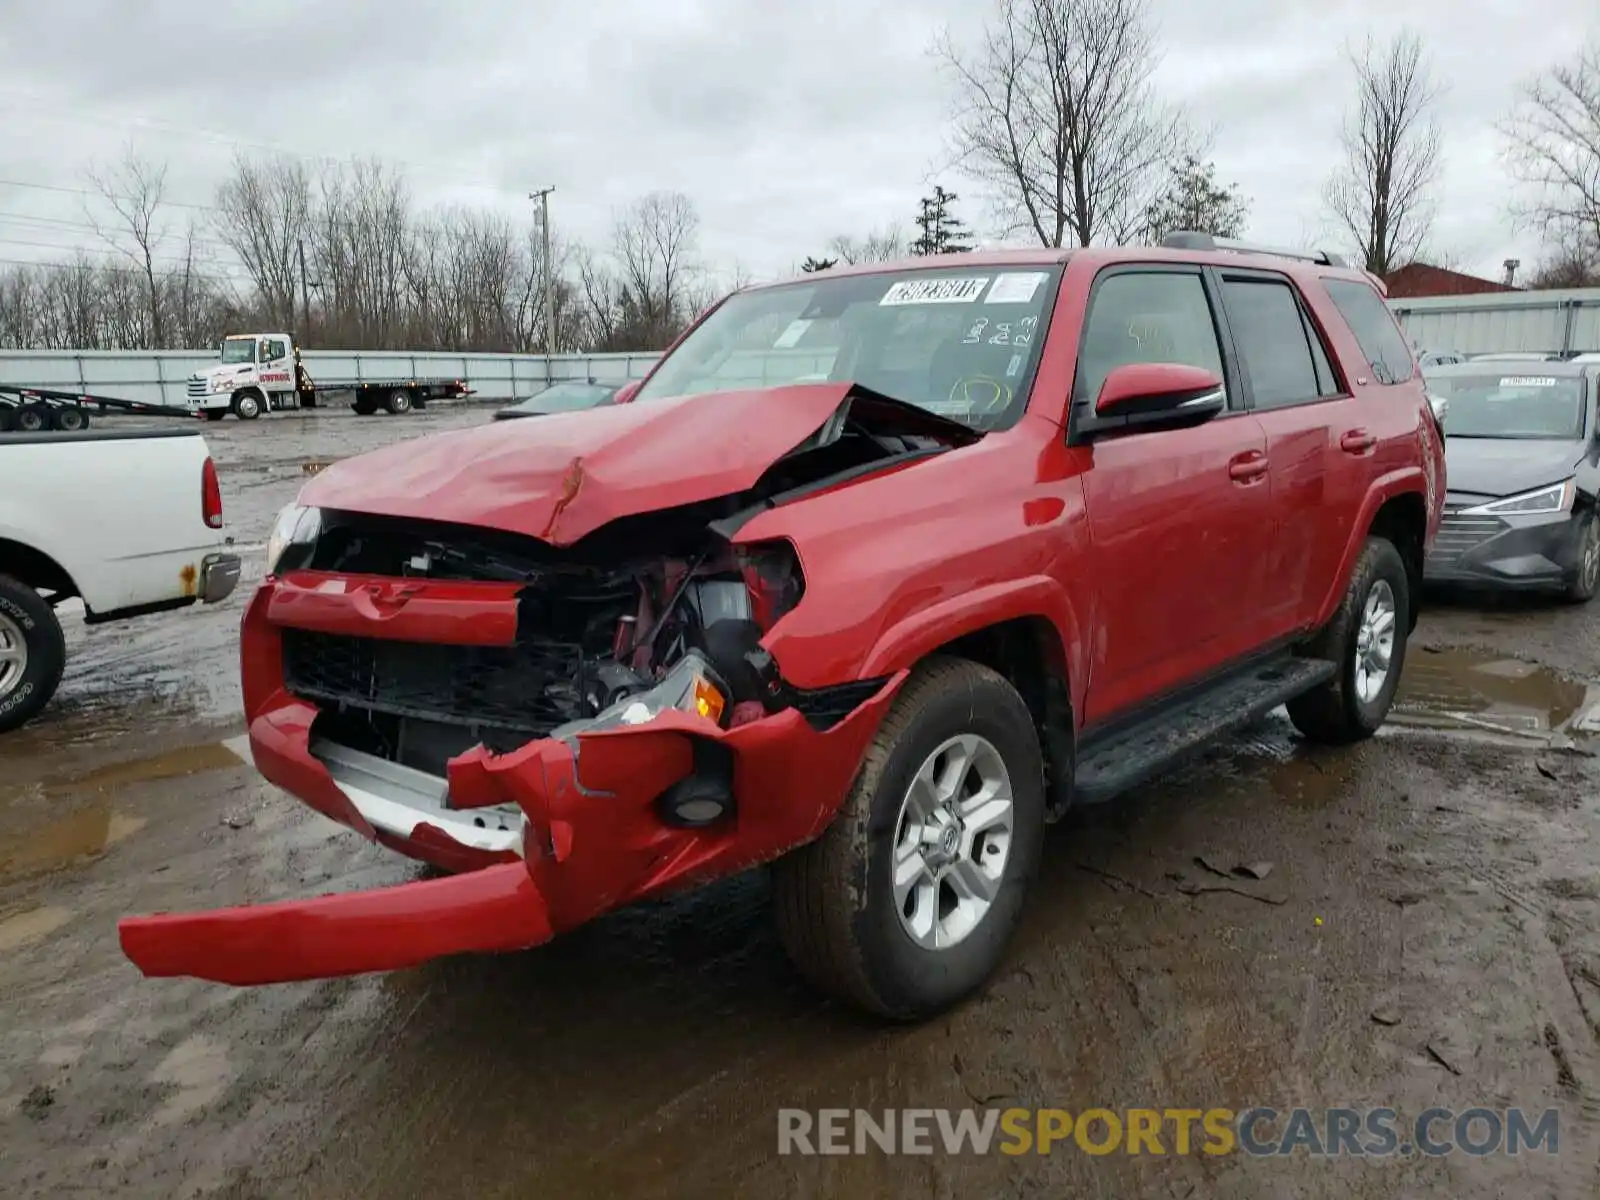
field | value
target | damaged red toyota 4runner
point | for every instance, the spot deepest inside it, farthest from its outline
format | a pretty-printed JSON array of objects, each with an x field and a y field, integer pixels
[{"x": 878, "y": 573}]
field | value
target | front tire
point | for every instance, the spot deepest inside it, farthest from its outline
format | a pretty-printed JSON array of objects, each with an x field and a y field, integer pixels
[
  {"x": 1586, "y": 579},
  {"x": 1367, "y": 639},
  {"x": 247, "y": 406},
  {"x": 906, "y": 903},
  {"x": 33, "y": 653}
]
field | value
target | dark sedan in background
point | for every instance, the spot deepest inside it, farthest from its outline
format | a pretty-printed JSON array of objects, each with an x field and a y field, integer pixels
[
  {"x": 1522, "y": 452},
  {"x": 570, "y": 395}
]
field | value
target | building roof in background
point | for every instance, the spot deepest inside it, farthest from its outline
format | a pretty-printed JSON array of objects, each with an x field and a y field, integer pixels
[{"x": 1415, "y": 280}]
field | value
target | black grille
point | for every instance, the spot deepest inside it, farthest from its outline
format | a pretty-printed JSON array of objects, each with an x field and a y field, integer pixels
[
  {"x": 1460, "y": 533},
  {"x": 528, "y": 688}
]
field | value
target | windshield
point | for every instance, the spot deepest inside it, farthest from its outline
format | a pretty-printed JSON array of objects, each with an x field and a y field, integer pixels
[
  {"x": 239, "y": 350},
  {"x": 961, "y": 343},
  {"x": 567, "y": 397},
  {"x": 1506, "y": 405}
]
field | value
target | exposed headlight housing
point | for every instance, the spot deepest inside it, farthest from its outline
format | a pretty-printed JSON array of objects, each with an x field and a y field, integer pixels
[
  {"x": 296, "y": 526},
  {"x": 691, "y": 686},
  {"x": 1553, "y": 498}
]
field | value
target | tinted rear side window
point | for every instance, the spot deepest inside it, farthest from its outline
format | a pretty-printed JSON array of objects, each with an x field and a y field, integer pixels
[
  {"x": 1374, "y": 325},
  {"x": 1272, "y": 341}
]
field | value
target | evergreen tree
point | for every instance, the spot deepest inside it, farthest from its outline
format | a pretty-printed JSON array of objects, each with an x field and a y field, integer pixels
[
  {"x": 942, "y": 231},
  {"x": 1195, "y": 202}
]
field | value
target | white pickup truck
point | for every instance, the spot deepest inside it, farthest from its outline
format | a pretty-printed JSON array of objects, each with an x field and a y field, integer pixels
[{"x": 130, "y": 522}]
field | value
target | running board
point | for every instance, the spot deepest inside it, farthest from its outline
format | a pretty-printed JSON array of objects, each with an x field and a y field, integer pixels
[{"x": 1138, "y": 753}]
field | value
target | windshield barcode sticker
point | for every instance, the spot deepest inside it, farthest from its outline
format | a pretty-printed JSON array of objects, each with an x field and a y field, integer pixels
[
  {"x": 935, "y": 291},
  {"x": 1528, "y": 381},
  {"x": 1016, "y": 288}
]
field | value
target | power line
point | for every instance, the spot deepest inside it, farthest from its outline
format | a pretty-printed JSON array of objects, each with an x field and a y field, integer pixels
[
  {"x": 80, "y": 249},
  {"x": 46, "y": 265},
  {"x": 70, "y": 191},
  {"x": 161, "y": 125},
  {"x": 89, "y": 226}
]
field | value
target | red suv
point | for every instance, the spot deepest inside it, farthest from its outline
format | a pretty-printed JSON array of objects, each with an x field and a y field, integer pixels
[{"x": 876, "y": 574}]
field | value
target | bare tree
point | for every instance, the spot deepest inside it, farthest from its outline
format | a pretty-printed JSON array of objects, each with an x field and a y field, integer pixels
[
  {"x": 656, "y": 280},
  {"x": 885, "y": 245},
  {"x": 360, "y": 235},
  {"x": 1057, "y": 114},
  {"x": 135, "y": 189},
  {"x": 1553, "y": 147},
  {"x": 1381, "y": 195},
  {"x": 1574, "y": 267},
  {"x": 264, "y": 216}
]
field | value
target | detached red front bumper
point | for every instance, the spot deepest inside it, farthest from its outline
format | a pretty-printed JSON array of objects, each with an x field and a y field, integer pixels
[{"x": 591, "y": 837}]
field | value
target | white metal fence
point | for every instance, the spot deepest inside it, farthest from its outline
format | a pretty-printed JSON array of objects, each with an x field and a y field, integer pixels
[
  {"x": 158, "y": 377},
  {"x": 1561, "y": 321}
]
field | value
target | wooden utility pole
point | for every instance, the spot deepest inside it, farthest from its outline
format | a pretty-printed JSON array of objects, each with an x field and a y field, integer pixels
[
  {"x": 305, "y": 293},
  {"x": 543, "y": 197}
]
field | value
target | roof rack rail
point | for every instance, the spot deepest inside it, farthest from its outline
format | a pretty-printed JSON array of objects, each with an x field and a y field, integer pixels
[{"x": 1185, "y": 239}]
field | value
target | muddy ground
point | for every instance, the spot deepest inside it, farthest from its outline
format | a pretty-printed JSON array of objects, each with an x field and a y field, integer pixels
[{"x": 1427, "y": 935}]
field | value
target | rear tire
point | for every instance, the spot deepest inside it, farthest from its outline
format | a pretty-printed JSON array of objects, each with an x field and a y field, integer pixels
[
  {"x": 862, "y": 909},
  {"x": 71, "y": 419},
  {"x": 33, "y": 653},
  {"x": 1586, "y": 580},
  {"x": 1370, "y": 627},
  {"x": 32, "y": 418},
  {"x": 398, "y": 402}
]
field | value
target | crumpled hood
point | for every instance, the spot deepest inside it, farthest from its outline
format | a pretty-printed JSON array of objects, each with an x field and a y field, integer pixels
[
  {"x": 567, "y": 474},
  {"x": 1506, "y": 466}
]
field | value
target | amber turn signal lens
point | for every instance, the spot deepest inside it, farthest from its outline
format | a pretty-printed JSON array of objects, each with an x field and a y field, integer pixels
[{"x": 708, "y": 702}]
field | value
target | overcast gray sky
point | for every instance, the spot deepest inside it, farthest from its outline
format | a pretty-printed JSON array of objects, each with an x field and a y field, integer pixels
[{"x": 785, "y": 122}]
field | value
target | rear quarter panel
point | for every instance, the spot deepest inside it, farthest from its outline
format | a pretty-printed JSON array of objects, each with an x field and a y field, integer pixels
[
  {"x": 121, "y": 515},
  {"x": 1408, "y": 457}
]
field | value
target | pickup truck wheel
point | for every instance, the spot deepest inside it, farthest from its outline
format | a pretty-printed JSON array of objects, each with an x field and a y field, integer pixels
[
  {"x": 1586, "y": 577},
  {"x": 1367, "y": 639},
  {"x": 906, "y": 903},
  {"x": 33, "y": 653},
  {"x": 214, "y": 414},
  {"x": 398, "y": 402},
  {"x": 247, "y": 406}
]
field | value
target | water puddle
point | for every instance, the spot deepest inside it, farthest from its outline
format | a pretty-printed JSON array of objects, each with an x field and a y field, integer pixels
[
  {"x": 1471, "y": 690},
  {"x": 88, "y": 830}
]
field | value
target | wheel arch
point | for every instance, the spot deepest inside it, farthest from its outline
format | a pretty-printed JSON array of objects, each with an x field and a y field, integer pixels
[
  {"x": 1395, "y": 508},
  {"x": 1028, "y": 652},
  {"x": 1403, "y": 520},
  {"x": 35, "y": 568}
]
